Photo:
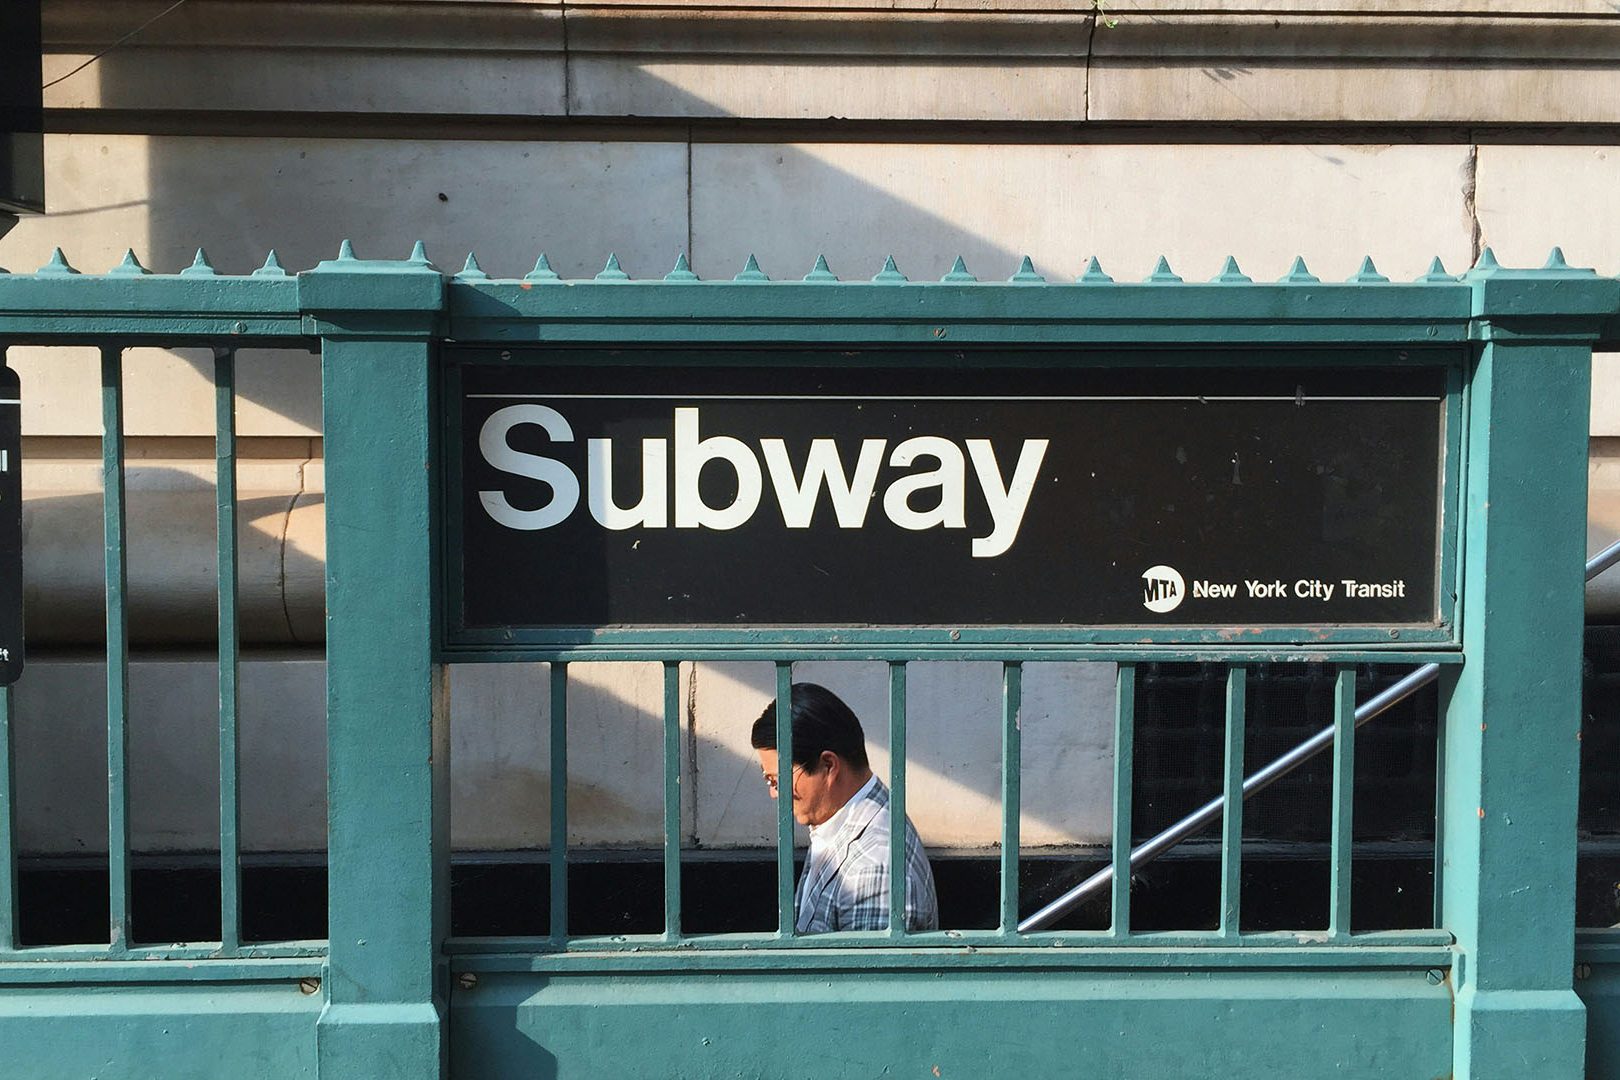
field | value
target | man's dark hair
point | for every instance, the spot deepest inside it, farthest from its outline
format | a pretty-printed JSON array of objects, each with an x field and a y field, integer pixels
[{"x": 821, "y": 721}]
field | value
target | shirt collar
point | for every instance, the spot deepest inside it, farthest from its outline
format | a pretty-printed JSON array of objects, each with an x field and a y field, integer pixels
[{"x": 829, "y": 829}]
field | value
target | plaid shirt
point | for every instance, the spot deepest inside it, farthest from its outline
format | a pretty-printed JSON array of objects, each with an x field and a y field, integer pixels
[{"x": 845, "y": 884}]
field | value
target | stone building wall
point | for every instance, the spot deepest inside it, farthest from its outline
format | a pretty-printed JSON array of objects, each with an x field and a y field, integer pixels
[{"x": 991, "y": 129}]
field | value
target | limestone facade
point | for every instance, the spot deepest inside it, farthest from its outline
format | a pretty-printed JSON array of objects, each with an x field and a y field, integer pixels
[{"x": 991, "y": 129}]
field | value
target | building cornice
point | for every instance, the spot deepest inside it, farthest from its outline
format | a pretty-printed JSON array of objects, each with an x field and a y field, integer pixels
[{"x": 996, "y": 61}]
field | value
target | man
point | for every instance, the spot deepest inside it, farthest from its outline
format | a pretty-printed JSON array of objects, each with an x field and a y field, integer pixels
[{"x": 845, "y": 885}]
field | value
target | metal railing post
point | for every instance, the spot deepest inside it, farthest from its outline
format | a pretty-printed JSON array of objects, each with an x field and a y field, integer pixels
[
  {"x": 1512, "y": 710},
  {"x": 387, "y": 729}
]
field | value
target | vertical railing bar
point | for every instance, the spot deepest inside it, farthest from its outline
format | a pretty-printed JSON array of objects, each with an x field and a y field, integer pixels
[
  {"x": 1344, "y": 778},
  {"x": 558, "y": 855},
  {"x": 1232, "y": 820},
  {"x": 897, "y": 798},
  {"x": 8, "y": 827},
  {"x": 1124, "y": 759},
  {"x": 230, "y": 813},
  {"x": 784, "y": 800},
  {"x": 113, "y": 519},
  {"x": 8, "y": 813},
  {"x": 1439, "y": 809},
  {"x": 672, "y": 800},
  {"x": 1012, "y": 692}
]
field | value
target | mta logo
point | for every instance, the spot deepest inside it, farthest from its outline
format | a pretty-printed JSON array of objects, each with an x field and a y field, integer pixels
[{"x": 1162, "y": 589}]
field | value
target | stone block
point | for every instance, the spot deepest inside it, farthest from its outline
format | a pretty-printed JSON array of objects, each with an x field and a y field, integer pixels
[
  {"x": 625, "y": 60},
  {"x": 793, "y": 89},
  {"x": 172, "y": 563},
  {"x": 459, "y": 59},
  {"x": 500, "y": 756},
  {"x": 734, "y": 807},
  {"x": 616, "y": 755},
  {"x": 500, "y": 761},
  {"x": 168, "y": 392},
  {"x": 1125, "y": 203},
  {"x": 61, "y": 755},
  {"x": 239, "y": 197},
  {"x": 1530, "y": 198},
  {"x": 1410, "y": 67}
]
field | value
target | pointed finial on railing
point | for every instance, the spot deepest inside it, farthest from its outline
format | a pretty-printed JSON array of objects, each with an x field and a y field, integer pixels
[
  {"x": 1437, "y": 272},
  {"x": 1026, "y": 274},
  {"x": 346, "y": 252},
  {"x": 57, "y": 265},
  {"x": 129, "y": 266},
  {"x": 542, "y": 270},
  {"x": 1487, "y": 261},
  {"x": 1300, "y": 274},
  {"x": 272, "y": 266},
  {"x": 682, "y": 271},
  {"x": 471, "y": 271},
  {"x": 419, "y": 254},
  {"x": 890, "y": 274},
  {"x": 1555, "y": 260},
  {"x": 1368, "y": 273},
  {"x": 1094, "y": 274},
  {"x": 959, "y": 272},
  {"x": 1231, "y": 274},
  {"x": 200, "y": 266},
  {"x": 821, "y": 271},
  {"x": 751, "y": 271},
  {"x": 1162, "y": 274},
  {"x": 612, "y": 271}
]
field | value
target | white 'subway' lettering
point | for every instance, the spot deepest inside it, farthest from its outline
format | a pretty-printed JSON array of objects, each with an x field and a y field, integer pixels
[{"x": 938, "y": 482}]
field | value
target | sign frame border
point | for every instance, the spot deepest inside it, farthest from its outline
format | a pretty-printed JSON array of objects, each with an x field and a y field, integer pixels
[{"x": 459, "y": 642}]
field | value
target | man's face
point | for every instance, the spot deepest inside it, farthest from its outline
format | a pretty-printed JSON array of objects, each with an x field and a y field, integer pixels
[{"x": 813, "y": 802}]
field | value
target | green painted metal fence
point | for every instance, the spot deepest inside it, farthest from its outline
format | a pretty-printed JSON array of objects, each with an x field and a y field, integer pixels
[{"x": 1488, "y": 991}]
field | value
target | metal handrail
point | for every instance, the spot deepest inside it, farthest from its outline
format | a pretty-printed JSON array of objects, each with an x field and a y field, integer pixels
[{"x": 1163, "y": 841}]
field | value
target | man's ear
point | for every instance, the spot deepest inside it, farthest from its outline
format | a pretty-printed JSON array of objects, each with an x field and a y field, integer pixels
[{"x": 829, "y": 762}]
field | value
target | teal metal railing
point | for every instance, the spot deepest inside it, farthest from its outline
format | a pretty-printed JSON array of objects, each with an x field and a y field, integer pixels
[
  {"x": 116, "y": 568},
  {"x": 1340, "y": 738},
  {"x": 125, "y": 308},
  {"x": 1521, "y": 341},
  {"x": 485, "y": 309},
  {"x": 1014, "y": 927},
  {"x": 230, "y": 634}
]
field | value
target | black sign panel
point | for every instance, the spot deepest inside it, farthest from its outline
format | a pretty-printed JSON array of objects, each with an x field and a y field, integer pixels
[
  {"x": 599, "y": 490},
  {"x": 11, "y": 579}
]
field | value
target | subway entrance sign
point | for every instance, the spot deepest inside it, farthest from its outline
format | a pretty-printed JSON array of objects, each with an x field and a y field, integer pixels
[
  {"x": 11, "y": 580},
  {"x": 619, "y": 489}
]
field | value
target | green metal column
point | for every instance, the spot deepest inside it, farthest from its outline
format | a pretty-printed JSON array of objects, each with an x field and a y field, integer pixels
[
  {"x": 387, "y": 729},
  {"x": 1512, "y": 710}
]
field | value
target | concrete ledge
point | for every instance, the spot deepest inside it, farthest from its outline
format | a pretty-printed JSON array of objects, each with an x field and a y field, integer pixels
[
  {"x": 1322, "y": 69},
  {"x": 1221, "y": 62},
  {"x": 125, "y": 1034},
  {"x": 906, "y": 1023}
]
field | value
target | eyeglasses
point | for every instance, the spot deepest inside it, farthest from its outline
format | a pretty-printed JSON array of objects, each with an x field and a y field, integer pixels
[{"x": 774, "y": 784}]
